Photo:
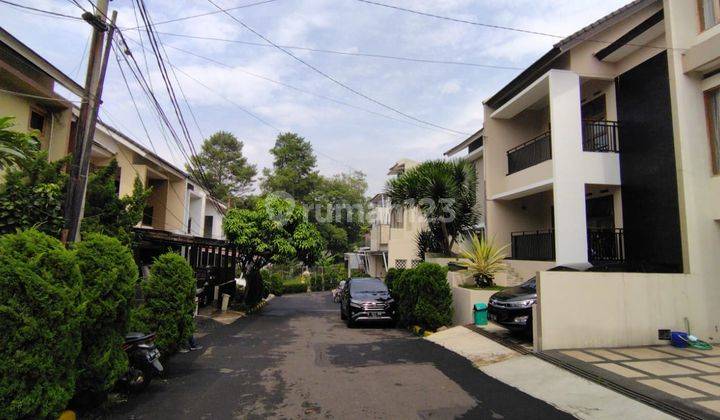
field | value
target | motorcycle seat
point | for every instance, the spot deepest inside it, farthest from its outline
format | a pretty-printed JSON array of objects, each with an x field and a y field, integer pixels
[{"x": 134, "y": 337}]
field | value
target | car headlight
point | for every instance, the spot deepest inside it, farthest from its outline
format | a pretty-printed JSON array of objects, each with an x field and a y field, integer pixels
[{"x": 522, "y": 303}]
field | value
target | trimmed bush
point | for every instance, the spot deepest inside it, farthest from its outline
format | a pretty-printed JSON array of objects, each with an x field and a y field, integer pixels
[
  {"x": 392, "y": 276},
  {"x": 110, "y": 275},
  {"x": 424, "y": 296},
  {"x": 294, "y": 287},
  {"x": 356, "y": 272},
  {"x": 272, "y": 282},
  {"x": 169, "y": 303},
  {"x": 40, "y": 319}
]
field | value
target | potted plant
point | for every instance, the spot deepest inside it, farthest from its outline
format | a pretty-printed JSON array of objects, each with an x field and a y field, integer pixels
[{"x": 483, "y": 260}]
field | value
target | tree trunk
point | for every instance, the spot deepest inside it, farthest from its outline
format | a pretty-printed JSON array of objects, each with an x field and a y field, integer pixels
[{"x": 253, "y": 287}]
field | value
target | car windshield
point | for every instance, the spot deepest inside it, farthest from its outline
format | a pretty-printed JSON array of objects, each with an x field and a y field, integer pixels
[
  {"x": 530, "y": 284},
  {"x": 367, "y": 286}
]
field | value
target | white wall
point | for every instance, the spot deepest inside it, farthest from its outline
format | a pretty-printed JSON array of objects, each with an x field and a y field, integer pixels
[{"x": 463, "y": 301}]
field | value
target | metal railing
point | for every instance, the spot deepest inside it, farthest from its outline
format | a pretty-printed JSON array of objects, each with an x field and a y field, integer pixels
[
  {"x": 529, "y": 153},
  {"x": 606, "y": 245},
  {"x": 538, "y": 245},
  {"x": 600, "y": 136}
]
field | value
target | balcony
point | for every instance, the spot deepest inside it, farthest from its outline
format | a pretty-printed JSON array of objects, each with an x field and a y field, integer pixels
[
  {"x": 604, "y": 245},
  {"x": 530, "y": 153},
  {"x": 600, "y": 136}
]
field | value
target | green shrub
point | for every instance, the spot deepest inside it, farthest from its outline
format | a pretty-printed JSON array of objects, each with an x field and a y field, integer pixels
[
  {"x": 40, "y": 319},
  {"x": 356, "y": 272},
  {"x": 327, "y": 280},
  {"x": 272, "y": 282},
  {"x": 294, "y": 286},
  {"x": 424, "y": 296},
  {"x": 391, "y": 277},
  {"x": 169, "y": 303},
  {"x": 110, "y": 275}
]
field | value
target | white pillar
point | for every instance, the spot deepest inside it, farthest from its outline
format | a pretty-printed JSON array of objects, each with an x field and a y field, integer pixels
[{"x": 568, "y": 187}]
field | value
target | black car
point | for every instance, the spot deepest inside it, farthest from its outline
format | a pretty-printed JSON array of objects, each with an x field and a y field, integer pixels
[
  {"x": 512, "y": 307},
  {"x": 366, "y": 299}
]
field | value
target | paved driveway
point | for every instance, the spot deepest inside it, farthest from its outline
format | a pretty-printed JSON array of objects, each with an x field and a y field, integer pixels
[{"x": 296, "y": 359}]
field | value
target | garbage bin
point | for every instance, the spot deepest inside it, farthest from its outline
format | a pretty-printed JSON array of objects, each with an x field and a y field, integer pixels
[{"x": 480, "y": 313}]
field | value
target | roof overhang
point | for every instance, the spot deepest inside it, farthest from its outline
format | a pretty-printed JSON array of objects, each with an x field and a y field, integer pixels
[
  {"x": 465, "y": 143},
  {"x": 36, "y": 60},
  {"x": 634, "y": 39}
]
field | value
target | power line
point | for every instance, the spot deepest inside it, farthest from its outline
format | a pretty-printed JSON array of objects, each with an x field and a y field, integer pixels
[
  {"x": 46, "y": 98},
  {"x": 47, "y": 12},
  {"x": 206, "y": 14},
  {"x": 331, "y": 78},
  {"x": 304, "y": 91},
  {"x": 346, "y": 53}
]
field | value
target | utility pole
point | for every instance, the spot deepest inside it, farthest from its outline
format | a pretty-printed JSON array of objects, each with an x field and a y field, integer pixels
[{"x": 94, "y": 79}]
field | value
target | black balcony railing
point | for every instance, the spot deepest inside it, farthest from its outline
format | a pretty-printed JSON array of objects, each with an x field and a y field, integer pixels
[
  {"x": 606, "y": 245},
  {"x": 600, "y": 136},
  {"x": 536, "y": 245},
  {"x": 529, "y": 153}
]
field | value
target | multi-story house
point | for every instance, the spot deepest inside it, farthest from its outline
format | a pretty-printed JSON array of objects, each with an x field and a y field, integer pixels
[
  {"x": 606, "y": 150},
  {"x": 473, "y": 146},
  {"x": 394, "y": 230},
  {"x": 177, "y": 204}
]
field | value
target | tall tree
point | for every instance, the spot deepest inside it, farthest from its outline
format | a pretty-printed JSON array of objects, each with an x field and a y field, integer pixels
[
  {"x": 221, "y": 166},
  {"x": 274, "y": 231},
  {"x": 444, "y": 192},
  {"x": 294, "y": 168}
]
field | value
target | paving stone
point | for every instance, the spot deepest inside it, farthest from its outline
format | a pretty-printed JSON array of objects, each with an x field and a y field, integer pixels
[
  {"x": 713, "y": 360},
  {"x": 643, "y": 353},
  {"x": 607, "y": 354},
  {"x": 667, "y": 387},
  {"x": 694, "y": 364},
  {"x": 703, "y": 386},
  {"x": 581, "y": 355},
  {"x": 676, "y": 351},
  {"x": 711, "y": 404},
  {"x": 621, "y": 370},
  {"x": 712, "y": 378},
  {"x": 715, "y": 351},
  {"x": 660, "y": 368}
]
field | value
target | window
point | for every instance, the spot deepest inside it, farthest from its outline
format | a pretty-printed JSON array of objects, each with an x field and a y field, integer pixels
[
  {"x": 709, "y": 13},
  {"x": 415, "y": 263},
  {"x": 396, "y": 217},
  {"x": 147, "y": 218},
  {"x": 400, "y": 264},
  {"x": 712, "y": 102},
  {"x": 208, "y": 231},
  {"x": 37, "y": 121}
]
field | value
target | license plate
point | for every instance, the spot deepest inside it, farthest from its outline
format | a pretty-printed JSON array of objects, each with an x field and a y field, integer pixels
[{"x": 375, "y": 314}]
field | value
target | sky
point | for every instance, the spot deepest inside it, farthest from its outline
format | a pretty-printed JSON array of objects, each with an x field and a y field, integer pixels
[{"x": 228, "y": 89}]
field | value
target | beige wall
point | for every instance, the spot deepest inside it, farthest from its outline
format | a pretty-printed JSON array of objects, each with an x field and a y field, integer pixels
[
  {"x": 463, "y": 301},
  {"x": 402, "y": 244},
  {"x": 586, "y": 310}
]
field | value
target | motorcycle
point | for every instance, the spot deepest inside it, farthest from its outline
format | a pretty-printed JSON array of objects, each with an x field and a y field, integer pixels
[{"x": 144, "y": 361}]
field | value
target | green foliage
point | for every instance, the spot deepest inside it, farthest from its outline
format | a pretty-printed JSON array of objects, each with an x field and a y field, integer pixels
[
  {"x": 392, "y": 276},
  {"x": 356, "y": 272},
  {"x": 32, "y": 196},
  {"x": 424, "y": 296},
  {"x": 110, "y": 275},
  {"x": 227, "y": 173},
  {"x": 295, "y": 286},
  {"x": 40, "y": 318},
  {"x": 327, "y": 277},
  {"x": 483, "y": 260},
  {"x": 15, "y": 147},
  {"x": 169, "y": 303},
  {"x": 294, "y": 168},
  {"x": 272, "y": 282},
  {"x": 274, "y": 231},
  {"x": 444, "y": 192},
  {"x": 109, "y": 214}
]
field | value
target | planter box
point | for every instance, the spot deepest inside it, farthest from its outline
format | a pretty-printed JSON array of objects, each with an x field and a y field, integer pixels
[{"x": 463, "y": 301}]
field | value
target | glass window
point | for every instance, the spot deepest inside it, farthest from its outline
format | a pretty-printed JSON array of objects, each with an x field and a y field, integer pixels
[
  {"x": 713, "y": 110},
  {"x": 147, "y": 218},
  {"x": 37, "y": 121},
  {"x": 396, "y": 217},
  {"x": 709, "y": 13}
]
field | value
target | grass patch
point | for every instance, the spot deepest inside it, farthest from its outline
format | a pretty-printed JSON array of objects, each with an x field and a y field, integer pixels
[{"x": 474, "y": 287}]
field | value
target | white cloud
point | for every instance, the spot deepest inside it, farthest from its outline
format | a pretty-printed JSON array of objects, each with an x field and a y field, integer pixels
[{"x": 450, "y": 87}]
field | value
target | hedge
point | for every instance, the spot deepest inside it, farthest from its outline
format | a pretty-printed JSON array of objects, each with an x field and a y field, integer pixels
[
  {"x": 169, "y": 303},
  {"x": 40, "y": 318},
  {"x": 329, "y": 279},
  {"x": 392, "y": 276},
  {"x": 425, "y": 297},
  {"x": 110, "y": 275},
  {"x": 294, "y": 287}
]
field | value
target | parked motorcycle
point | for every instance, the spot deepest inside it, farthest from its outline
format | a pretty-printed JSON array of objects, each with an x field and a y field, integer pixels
[{"x": 144, "y": 361}]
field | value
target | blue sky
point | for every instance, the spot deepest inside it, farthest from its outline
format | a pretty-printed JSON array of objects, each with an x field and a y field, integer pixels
[{"x": 344, "y": 137}]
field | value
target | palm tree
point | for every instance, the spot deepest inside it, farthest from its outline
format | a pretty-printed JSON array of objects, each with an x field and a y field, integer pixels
[
  {"x": 484, "y": 260},
  {"x": 15, "y": 147},
  {"x": 444, "y": 192}
]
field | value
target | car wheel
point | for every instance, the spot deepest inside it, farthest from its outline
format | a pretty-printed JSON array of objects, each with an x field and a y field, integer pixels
[
  {"x": 342, "y": 315},
  {"x": 350, "y": 321}
]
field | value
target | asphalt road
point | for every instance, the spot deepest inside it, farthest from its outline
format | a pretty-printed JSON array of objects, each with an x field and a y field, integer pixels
[{"x": 296, "y": 359}]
